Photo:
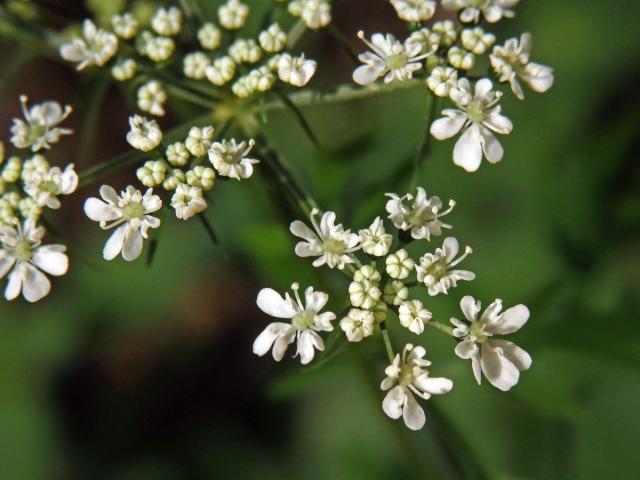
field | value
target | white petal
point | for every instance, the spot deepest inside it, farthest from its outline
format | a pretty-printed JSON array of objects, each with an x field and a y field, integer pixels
[
  {"x": 491, "y": 146},
  {"x": 299, "y": 229},
  {"x": 113, "y": 247},
  {"x": 447, "y": 127},
  {"x": 394, "y": 401},
  {"x": 266, "y": 339},
  {"x": 469, "y": 307},
  {"x": 305, "y": 249},
  {"x": 271, "y": 303},
  {"x": 51, "y": 260},
  {"x": 498, "y": 123},
  {"x": 315, "y": 300},
  {"x": 14, "y": 285},
  {"x": 511, "y": 320},
  {"x": 483, "y": 86},
  {"x": 109, "y": 194},
  {"x": 433, "y": 385},
  {"x": 413, "y": 414},
  {"x": 468, "y": 150},
  {"x": 516, "y": 355},
  {"x": 35, "y": 284},
  {"x": 367, "y": 74},
  {"x": 476, "y": 368},
  {"x": 499, "y": 371},
  {"x": 307, "y": 341},
  {"x": 99, "y": 211},
  {"x": 132, "y": 246},
  {"x": 451, "y": 248},
  {"x": 6, "y": 262},
  {"x": 466, "y": 349}
]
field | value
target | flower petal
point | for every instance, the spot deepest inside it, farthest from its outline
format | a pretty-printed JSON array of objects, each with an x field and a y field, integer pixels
[
  {"x": 466, "y": 349},
  {"x": 516, "y": 355},
  {"x": 394, "y": 401},
  {"x": 51, "y": 260},
  {"x": 413, "y": 414},
  {"x": 113, "y": 247},
  {"x": 499, "y": 370},
  {"x": 99, "y": 211},
  {"x": 35, "y": 284},
  {"x": 266, "y": 339},
  {"x": 433, "y": 385},
  {"x": 469, "y": 307},
  {"x": 6, "y": 262},
  {"x": 367, "y": 74},
  {"x": 491, "y": 146},
  {"x": 447, "y": 127},
  {"x": 272, "y": 303},
  {"x": 511, "y": 320},
  {"x": 132, "y": 246},
  {"x": 14, "y": 285},
  {"x": 468, "y": 150}
]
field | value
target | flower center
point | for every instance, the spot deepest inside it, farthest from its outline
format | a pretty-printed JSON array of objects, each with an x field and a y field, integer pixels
[
  {"x": 133, "y": 211},
  {"x": 229, "y": 158},
  {"x": 335, "y": 247},
  {"x": 397, "y": 61},
  {"x": 476, "y": 3},
  {"x": 36, "y": 132},
  {"x": 304, "y": 320},
  {"x": 475, "y": 111},
  {"x": 438, "y": 269},
  {"x": 477, "y": 330},
  {"x": 22, "y": 250},
  {"x": 49, "y": 186},
  {"x": 405, "y": 377}
]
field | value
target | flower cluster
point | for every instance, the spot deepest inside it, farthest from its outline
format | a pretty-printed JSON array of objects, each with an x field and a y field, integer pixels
[
  {"x": 446, "y": 54},
  {"x": 29, "y": 185},
  {"x": 386, "y": 278}
]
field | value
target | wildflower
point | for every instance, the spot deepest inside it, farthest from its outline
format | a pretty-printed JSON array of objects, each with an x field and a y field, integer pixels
[
  {"x": 37, "y": 164},
  {"x": 501, "y": 361},
  {"x": 144, "y": 134},
  {"x": 177, "y": 154},
  {"x": 39, "y": 129},
  {"x": 330, "y": 242},
  {"x": 413, "y": 316},
  {"x": 441, "y": 80},
  {"x": 130, "y": 212},
  {"x": 243, "y": 88},
  {"x": 124, "y": 70},
  {"x": 306, "y": 322},
  {"x": 476, "y": 40},
  {"x": 435, "y": 269},
  {"x": 422, "y": 217},
  {"x": 157, "y": 48},
  {"x": 358, "y": 324},
  {"x": 407, "y": 375},
  {"x": 22, "y": 251},
  {"x": 209, "y": 36},
  {"x": 364, "y": 291},
  {"x": 174, "y": 178},
  {"x": 229, "y": 158},
  {"x": 460, "y": 58},
  {"x": 273, "y": 39},
  {"x": 389, "y": 58},
  {"x": 151, "y": 98},
  {"x": 167, "y": 21},
  {"x": 296, "y": 71},
  {"x": 444, "y": 33},
  {"x": 45, "y": 188},
  {"x": 492, "y": 10},
  {"x": 375, "y": 241},
  {"x": 199, "y": 140},
  {"x": 152, "y": 173},
  {"x": 202, "y": 177},
  {"x": 11, "y": 170},
  {"x": 414, "y": 10},
  {"x": 222, "y": 71},
  {"x": 395, "y": 293},
  {"x": 477, "y": 116},
  {"x": 233, "y": 14},
  {"x": 195, "y": 65},
  {"x": 260, "y": 79},
  {"x": 314, "y": 13},
  {"x": 187, "y": 201},
  {"x": 96, "y": 48},
  {"x": 29, "y": 208},
  {"x": 399, "y": 264},
  {"x": 125, "y": 26},
  {"x": 511, "y": 63}
]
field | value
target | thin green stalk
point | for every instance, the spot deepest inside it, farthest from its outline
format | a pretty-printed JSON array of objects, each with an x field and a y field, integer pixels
[
  {"x": 91, "y": 119},
  {"x": 387, "y": 342},
  {"x": 442, "y": 327},
  {"x": 295, "y": 34},
  {"x": 189, "y": 96},
  {"x": 344, "y": 43},
  {"x": 299, "y": 116},
  {"x": 425, "y": 145}
]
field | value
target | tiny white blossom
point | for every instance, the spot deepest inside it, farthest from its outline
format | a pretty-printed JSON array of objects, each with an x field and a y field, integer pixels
[
  {"x": 501, "y": 361},
  {"x": 152, "y": 173},
  {"x": 314, "y": 13},
  {"x": 45, "y": 187},
  {"x": 157, "y": 48},
  {"x": 144, "y": 134},
  {"x": 130, "y": 213},
  {"x": 229, "y": 158},
  {"x": 478, "y": 114},
  {"x": 306, "y": 322},
  {"x": 152, "y": 97},
  {"x": 422, "y": 217},
  {"x": 187, "y": 201},
  {"x": 261, "y": 79},
  {"x": 406, "y": 376},
  {"x": 124, "y": 70},
  {"x": 273, "y": 39},
  {"x": 444, "y": 33},
  {"x": 125, "y": 26},
  {"x": 375, "y": 240},
  {"x": 492, "y": 10},
  {"x": 476, "y": 40},
  {"x": 330, "y": 242},
  {"x": 389, "y": 58},
  {"x": 22, "y": 250},
  {"x": 95, "y": 48},
  {"x": 413, "y": 316},
  {"x": 245, "y": 51},
  {"x": 296, "y": 71},
  {"x": 399, "y": 264},
  {"x": 201, "y": 177},
  {"x": 460, "y": 58},
  {"x": 435, "y": 269},
  {"x": 222, "y": 71},
  {"x": 364, "y": 291},
  {"x": 29, "y": 209},
  {"x": 199, "y": 140},
  {"x": 174, "y": 178},
  {"x": 233, "y": 14},
  {"x": 39, "y": 129},
  {"x": 195, "y": 65},
  {"x": 167, "y": 21},
  {"x": 441, "y": 80},
  {"x": 243, "y": 87},
  {"x": 12, "y": 169},
  {"x": 512, "y": 63},
  {"x": 358, "y": 324},
  {"x": 395, "y": 293},
  {"x": 209, "y": 36},
  {"x": 414, "y": 10},
  {"x": 177, "y": 154}
]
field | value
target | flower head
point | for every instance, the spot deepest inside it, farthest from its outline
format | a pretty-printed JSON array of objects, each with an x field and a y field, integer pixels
[
  {"x": 414, "y": 10},
  {"x": 130, "y": 213},
  {"x": 407, "y": 375},
  {"x": 501, "y": 361},
  {"x": 39, "y": 129},
  {"x": 478, "y": 115},
  {"x": 296, "y": 71},
  {"x": 167, "y": 21},
  {"x": 229, "y": 158},
  {"x": 422, "y": 217},
  {"x": 413, "y": 316},
  {"x": 358, "y": 324},
  {"x": 96, "y": 48},
  {"x": 492, "y": 10},
  {"x": 314, "y": 13},
  {"x": 144, "y": 133},
  {"x": 435, "y": 269},
  {"x": 375, "y": 240},
  {"x": 151, "y": 98},
  {"x": 22, "y": 250},
  {"x": 233, "y": 14},
  {"x": 306, "y": 322},
  {"x": 187, "y": 201},
  {"x": 330, "y": 242},
  {"x": 45, "y": 187}
]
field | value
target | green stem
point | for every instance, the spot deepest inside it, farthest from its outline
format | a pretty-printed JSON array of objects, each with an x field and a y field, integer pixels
[
  {"x": 387, "y": 342},
  {"x": 295, "y": 34},
  {"x": 442, "y": 327},
  {"x": 425, "y": 145}
]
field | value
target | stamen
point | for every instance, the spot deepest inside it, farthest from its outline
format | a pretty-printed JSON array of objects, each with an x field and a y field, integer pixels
[
  {"x": 296, "y": 287},
  {"x": 370, "y": 45},
  {"x": 467, "y": 251},
  {"x": 248, "y": 149}
]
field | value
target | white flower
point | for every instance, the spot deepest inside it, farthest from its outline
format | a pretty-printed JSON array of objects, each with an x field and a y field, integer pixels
[
  {"x": 233, "y": 14},
  {"x": 364, "y": 291},
  {"x": 222, "y": 71},
  {"x": 296, "y": 71},
  {"x": 460, "y": 58},
  {"x": 435, "y": 269},
  {"x": 125, "y": 26},
  {"x": 187, "y": 201},
  {"x": 151, "y": 98},
  {"x": 399, "y": 264},
  {"x": 124, "y": 70},
  {"x": 209, "y": 36},
  {"x": 414, "y": 10},
  {"x": 476, "y": 40},
  {"x": 37, "y": 164},
  {"x": 314, "y": 13},
  {"x": 229, "y": 158},
  {"x": 174, "y": 178},
  {"x": 395, "y": 293},
  {"x": 330, "y": 242},
  {"x": 261, "y": 79},
  {"x": 389, "y": 58},
  {"x": 477, "y": 116},
  {"x": 245, "y": 51},
  {"x": 444, "y": 33},
  {"x": 45, "y": 188},
  {"x": 195, "y": 65},
  {"x": 407, "y": 375},
  {"x": 500, "y": 361},
  {"x": 167, "y": 21},
  {"x": 157, "y": 48},
  {"x": 441, "y": 80},
  {"x": 96, "y": 48},
  {"x": 273, "y": 39},
  {"x": 144, "y": 133},
  {"x": 130, "y": 212},
  {"x": 492, "y": 10},
  {"x": 511, "y": 63},
  {"x": 375, "y": 241},
  {"x": 11, "y": 170},
  {"x": 199, "y": 140},
  {"x": 152, "y": 173},
  {"x": 29, "y": 208},
  {"x": 358, "y": 324},
  {"x": 177, "y": 154},
  {"x": 306, "y": 322},
  {"x": 422, "y": 217},
  {"x": 23, "y": 251},
  {"x": 39, "y": 129},
  {"x": 413, "y": 316},
  {"x": 202, "y": 177}
]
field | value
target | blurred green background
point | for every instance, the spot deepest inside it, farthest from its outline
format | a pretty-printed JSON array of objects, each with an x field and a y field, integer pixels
[{"x": 132, "y": 373}]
